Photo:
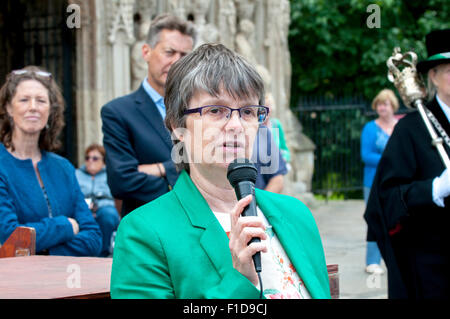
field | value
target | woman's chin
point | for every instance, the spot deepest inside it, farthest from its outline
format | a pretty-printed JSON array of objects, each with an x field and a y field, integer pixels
[
  {"x": 221, "y": 158},
  {"x": 32, "y": 129}
]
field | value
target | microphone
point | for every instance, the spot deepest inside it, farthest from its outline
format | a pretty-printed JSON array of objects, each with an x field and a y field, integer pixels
[{"x": 242, "y": 176}]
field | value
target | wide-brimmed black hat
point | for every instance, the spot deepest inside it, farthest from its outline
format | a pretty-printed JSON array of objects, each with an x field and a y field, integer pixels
[{"x": 438, "y": 48}]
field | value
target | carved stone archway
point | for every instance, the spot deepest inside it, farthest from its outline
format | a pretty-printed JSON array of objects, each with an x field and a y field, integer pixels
[{"x": 109, "y": 35}]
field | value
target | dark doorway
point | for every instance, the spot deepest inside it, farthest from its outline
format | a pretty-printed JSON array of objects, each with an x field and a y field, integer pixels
[{"x": 35, "y": 33}]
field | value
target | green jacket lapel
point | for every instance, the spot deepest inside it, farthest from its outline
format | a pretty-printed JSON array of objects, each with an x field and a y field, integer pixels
[
  {"x": 214, "y": 239},
  {"x": 291, "y": 240},
  {"x": 215, "y": 242}
]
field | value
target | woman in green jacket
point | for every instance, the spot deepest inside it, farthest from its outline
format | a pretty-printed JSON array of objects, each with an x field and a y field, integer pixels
[{"x": 191, "y": 243}]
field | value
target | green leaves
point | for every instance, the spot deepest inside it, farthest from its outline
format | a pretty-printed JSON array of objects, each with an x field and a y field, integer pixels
[{"x": 334, "y": 53}]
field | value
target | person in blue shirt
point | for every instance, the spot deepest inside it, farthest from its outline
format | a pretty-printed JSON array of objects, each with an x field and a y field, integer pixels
[
  {"x": 92, "y": 179},
  {"x": 38, "y": 188},
  {"x": 374, "y": 138}
]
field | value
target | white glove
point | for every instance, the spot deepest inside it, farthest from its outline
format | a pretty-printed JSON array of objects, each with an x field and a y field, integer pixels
[{"x": 441, "y": 188}]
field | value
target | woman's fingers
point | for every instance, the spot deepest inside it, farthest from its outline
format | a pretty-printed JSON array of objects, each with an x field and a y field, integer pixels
[
  {"x": 243, "y": 229},
  {"x": 249, "y": 232},
  {"x": 245, "y": 255},
  {"x": 239, "y": 208}
]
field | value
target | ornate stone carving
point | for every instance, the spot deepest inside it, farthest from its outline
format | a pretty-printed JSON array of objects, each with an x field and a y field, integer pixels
[
  {"x": 244, "y": 42},
  {"x": 138, "y": 64},
  {"x": 245, "y": 8},
  {"x": 206, "y": 32},
  {"x": 244, "y": 45},
  {"x": 227, "y": 21},
  {"x": 122, "y": 19},
  {"x": 146, "y": 9},
  {"x": 178, "y": 7},
  {"x": 257, "y": 29}
]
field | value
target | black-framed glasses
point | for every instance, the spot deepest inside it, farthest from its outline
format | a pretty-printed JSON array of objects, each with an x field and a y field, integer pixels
[
  {"x": 218, "y": 113},
  {"x": 39, "y": 73}
]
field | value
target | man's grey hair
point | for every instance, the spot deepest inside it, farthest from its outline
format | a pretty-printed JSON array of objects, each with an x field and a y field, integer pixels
[
  {"x": 167, "y": 21},
  {"x": 211, "y": 68}
]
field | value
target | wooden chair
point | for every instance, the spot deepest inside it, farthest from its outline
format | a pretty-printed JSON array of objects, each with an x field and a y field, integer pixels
[
  {"x": 22, "y": 242},
  {"x": 333, "y": 276}
]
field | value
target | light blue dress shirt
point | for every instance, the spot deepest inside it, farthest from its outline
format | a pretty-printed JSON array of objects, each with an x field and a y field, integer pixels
[{"x": 156, "y": 98}]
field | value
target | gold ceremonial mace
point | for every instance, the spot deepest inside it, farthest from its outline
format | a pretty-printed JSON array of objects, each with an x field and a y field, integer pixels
[{"x": 413, "y": 92}]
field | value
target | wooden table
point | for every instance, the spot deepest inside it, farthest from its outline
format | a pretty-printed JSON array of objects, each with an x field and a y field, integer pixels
[{"x": 48, "y": 277}]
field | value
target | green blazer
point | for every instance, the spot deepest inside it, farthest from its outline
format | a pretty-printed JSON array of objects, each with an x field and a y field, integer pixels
[{"x": 174, "y": 247}]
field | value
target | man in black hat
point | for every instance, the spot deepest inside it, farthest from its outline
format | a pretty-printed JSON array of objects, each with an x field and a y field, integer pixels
[{"x": 408, "y": 211}]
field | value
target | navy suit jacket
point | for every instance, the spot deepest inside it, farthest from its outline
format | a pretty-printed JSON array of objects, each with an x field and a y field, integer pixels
[{"x": 134, "y": 133}]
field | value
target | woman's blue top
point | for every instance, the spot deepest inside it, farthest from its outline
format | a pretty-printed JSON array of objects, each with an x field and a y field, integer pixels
[
  {"x": 23, "y": 203},
  {"x": 96, "y": 185},
  {"x": 373, "y": 142}
]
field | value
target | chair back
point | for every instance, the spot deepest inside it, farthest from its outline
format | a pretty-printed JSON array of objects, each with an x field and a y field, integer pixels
[
  {"x": 333, "y": 277},
  {"x": 22, "y": 242}
]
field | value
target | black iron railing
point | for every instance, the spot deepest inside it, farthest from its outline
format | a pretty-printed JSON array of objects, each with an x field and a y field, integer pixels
[{"x": 335, "y": 127}]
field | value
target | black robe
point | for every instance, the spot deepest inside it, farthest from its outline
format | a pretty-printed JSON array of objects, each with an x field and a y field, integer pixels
[{"x": 412, "y": 232}]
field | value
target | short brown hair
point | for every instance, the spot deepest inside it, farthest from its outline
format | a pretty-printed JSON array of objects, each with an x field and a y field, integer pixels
[
  {"x": 386, "y": 95},
  {"x": 48, "y": 139},
  {"x": 95, "y": 147}
]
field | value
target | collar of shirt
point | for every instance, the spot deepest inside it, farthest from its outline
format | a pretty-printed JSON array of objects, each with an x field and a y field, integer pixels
[
  {"x": 156, "y": 98},
  {"x": 444, "y": 107}
]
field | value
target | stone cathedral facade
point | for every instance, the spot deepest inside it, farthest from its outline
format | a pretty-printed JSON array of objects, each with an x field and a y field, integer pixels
[{"x": 109, "y": 62}]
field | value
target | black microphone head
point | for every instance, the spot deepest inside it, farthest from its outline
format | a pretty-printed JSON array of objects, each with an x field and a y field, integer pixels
[{"x": 241, "y": 169}]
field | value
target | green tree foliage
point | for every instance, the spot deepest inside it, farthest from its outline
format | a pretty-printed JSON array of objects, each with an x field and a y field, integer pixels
[{"x": 334, "y": 53}]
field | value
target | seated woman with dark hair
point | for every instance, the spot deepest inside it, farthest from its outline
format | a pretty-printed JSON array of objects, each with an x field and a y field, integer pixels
[{"x": 37, "y": 187}]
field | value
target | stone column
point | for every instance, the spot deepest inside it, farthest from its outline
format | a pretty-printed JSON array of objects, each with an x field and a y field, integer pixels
[
  {"x": 103, "y": 70},
  {"x": 87, "y": 115},
  {"x": 120, "y": 39}
]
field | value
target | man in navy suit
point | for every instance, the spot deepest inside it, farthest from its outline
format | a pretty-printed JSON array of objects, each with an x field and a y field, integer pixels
[{"x": 138, "y": 145}]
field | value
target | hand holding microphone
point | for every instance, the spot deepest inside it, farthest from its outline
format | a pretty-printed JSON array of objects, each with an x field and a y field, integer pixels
[
  {"x": 243, "y": 230},
  {"x": 247, "y": 230}
]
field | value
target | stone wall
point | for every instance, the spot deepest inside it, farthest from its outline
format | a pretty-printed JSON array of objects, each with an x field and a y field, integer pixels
[{"x": 109, "y": 62}]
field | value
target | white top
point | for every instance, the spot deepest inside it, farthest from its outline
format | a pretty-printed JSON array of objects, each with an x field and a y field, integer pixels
[
  {"x": 440, "y": 186},
  {"x": 279, "y": 276}
]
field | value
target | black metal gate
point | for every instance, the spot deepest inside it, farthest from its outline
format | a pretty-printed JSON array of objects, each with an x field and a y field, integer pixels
[
  {"x": 35, "y": 33},
  {"x": 335, "y": 128}
]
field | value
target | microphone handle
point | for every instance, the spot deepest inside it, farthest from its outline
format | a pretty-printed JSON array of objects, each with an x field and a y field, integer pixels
[{"x": 242, "y": 190}]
